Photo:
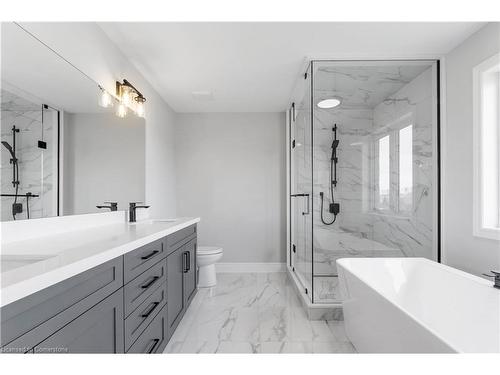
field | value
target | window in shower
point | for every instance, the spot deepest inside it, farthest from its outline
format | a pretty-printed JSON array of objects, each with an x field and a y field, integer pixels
[
  {"x": 383, "y": 199},
  {"x": 393, "y": 168},
  {"x": 405, "y": 198}
]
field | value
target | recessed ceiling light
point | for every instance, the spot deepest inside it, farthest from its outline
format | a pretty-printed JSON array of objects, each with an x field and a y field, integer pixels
[{"x": 329, "y": 103}]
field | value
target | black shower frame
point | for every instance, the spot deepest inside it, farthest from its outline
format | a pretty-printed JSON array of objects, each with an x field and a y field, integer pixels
[
  {"x": 58, "y": 149},
  {"x": 438, "y": 155}
]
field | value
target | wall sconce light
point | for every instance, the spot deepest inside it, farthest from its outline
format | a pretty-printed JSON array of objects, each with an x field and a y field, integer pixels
[
  {"x": 129, "y": 97},
  {"x": 139, "y": 109},
  {"x": 106, "y": 100}
]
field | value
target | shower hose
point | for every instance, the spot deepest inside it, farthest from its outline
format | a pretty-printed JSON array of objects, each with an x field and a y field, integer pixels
[{"x": 331, "y": 197}]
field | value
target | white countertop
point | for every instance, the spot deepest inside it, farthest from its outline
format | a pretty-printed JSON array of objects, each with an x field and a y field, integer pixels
[{"x": 37, "y": 263}]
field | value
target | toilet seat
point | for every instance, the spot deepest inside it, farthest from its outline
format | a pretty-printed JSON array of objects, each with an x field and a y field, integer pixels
[{"x": 208, "y": 250}]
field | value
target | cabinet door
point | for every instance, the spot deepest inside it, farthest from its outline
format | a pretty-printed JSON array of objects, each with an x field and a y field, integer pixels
[
  {"x": 98, "y": 330},
  {"x": 189, "y": 272},
  {"x": 175, "y": 295}
]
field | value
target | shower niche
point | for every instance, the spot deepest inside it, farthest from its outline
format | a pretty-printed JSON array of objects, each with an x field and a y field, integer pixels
[{"x": 362, "y": 168}]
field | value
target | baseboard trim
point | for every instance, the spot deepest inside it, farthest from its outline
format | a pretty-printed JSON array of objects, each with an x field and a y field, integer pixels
[{"x": 250, "y": 267}]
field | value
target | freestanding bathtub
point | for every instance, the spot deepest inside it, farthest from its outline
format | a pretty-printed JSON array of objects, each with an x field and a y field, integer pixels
[{"x": 414, "y": 305}]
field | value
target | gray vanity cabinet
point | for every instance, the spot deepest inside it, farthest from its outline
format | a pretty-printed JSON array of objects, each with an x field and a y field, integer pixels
[
  {"x": 98, "y": 330},
  {"x": 131, "y": 304}
]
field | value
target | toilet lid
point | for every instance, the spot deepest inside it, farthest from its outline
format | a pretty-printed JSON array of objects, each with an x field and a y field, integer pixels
[{"x": 209, "y": 250}]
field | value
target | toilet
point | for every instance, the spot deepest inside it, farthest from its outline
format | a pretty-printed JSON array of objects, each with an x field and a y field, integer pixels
[{"x": 206, "y": 257}]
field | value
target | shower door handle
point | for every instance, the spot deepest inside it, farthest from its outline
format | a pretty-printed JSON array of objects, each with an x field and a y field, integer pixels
[{"x": 308, "y": 205}]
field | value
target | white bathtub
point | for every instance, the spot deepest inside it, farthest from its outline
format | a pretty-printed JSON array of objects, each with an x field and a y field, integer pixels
[{"x": 414, "y": 305}]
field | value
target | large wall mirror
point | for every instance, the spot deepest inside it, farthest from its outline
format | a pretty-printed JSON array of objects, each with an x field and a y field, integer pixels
[{"x": 61, "y": 153}]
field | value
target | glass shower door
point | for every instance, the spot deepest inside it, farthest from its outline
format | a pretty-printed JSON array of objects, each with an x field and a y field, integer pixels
[{"x": 301, "y": 190}]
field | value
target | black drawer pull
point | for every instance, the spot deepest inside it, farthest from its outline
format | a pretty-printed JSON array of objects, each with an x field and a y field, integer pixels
[
  {"x": 154, "y": 305},
  {"x": 155, "y": 342},
  {"x": 153, "y": 253},
  {"x": 147, "y": 285},
  {"x": 185, "y": 262}
]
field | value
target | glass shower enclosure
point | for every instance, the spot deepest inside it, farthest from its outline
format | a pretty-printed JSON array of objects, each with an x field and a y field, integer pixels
[{"x": 363, "y": 167}]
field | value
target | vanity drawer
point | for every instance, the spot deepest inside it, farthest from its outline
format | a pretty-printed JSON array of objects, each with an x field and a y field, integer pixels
[
  {"x": 31, "y": 320},
  {"x": 138, "y": 261},
  {"x": 144, "y": 314},
  {"x": 154, "y": 338},
  {"x": 179, "y": 238},
  {"x": 144, "y": 285}
]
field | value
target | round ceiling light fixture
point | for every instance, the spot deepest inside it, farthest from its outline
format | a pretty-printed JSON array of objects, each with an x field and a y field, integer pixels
[{"x": 332, "y": 102}]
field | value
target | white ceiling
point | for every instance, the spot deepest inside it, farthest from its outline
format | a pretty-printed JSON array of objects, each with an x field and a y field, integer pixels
[{"x": 253, "y": 67}]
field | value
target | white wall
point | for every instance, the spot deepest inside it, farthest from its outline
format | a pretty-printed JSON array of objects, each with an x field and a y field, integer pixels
[
  {"x": 460, "y": 248},
  {"x": 104, "y": 158},
  {"x": 231, "y": 171},
  {"x": 85, "y": 45}
]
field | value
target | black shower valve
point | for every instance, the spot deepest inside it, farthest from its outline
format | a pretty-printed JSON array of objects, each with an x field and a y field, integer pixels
[
  {"x": 17, "y": 208},
  {"x": 334, "y": 208}
]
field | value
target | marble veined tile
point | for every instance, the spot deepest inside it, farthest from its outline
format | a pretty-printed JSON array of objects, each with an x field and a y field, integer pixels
[
  {"x": 332, "y": 347},
  {"x": 275, "y": 347},
  {"x": 254, "y": 313},
  {"x": 238, "y": 347}
]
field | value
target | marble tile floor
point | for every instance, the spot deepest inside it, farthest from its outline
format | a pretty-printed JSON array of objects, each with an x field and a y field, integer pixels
[{"x": 254, "y": 313}]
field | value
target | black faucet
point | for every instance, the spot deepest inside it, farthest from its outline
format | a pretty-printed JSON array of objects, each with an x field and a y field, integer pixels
[
  {"x": 131, "y": 211},
  {"x": 113, "y": 206},
  {"x": 496, "y": 275}
]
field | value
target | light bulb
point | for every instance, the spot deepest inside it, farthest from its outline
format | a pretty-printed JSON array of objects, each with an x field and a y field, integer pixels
[
  {"x": 105, "y": 100},
  {"x": 126, "y": 96},
  {"x": 122, "y": 110},
  {"x": 140, "y": 109}
]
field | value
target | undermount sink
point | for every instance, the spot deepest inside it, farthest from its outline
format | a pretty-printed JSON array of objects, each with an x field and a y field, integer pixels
[{"x": 11, "y": 261}]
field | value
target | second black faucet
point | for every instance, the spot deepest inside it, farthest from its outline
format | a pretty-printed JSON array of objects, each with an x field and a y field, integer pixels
[{"x": 131, "y": 211}]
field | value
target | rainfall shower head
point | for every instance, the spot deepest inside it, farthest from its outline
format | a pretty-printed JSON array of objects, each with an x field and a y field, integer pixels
[{"x": 9, "y": 147}]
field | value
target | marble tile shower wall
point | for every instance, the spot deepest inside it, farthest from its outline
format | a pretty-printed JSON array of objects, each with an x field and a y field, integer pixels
[
  {"x": 36, "y": 166},
  {"x": 413, "y": 232},
  {"x": 359, "y": 231}
]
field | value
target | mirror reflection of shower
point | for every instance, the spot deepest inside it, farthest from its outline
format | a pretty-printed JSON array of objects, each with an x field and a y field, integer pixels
[{"x": 29, "y": 161}]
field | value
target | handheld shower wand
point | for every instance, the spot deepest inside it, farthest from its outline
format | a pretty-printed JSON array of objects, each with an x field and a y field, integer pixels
[{"x": 9, "y": 147}]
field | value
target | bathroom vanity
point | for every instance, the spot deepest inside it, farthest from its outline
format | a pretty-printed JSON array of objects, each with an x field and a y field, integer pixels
[{"x": 114, "y": 288}]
